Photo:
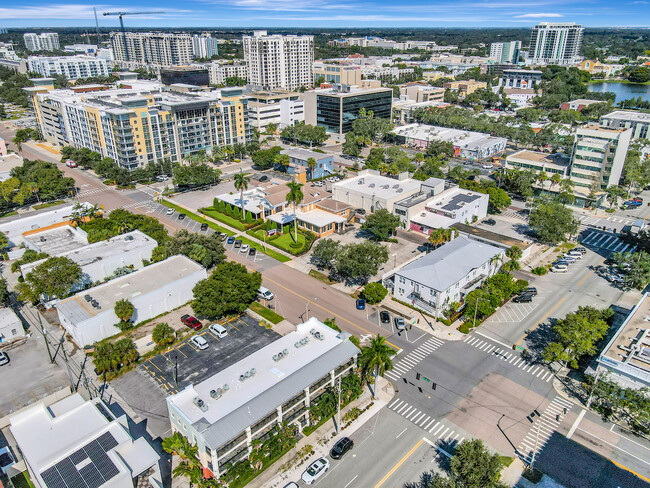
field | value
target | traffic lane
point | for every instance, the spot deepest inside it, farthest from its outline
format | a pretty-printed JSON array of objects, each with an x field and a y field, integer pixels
[
  {"x": 383, "y": 455},
  {"x": 611, "y": 441}
]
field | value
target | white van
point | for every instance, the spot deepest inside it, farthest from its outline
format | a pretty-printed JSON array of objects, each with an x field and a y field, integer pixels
[
  {"x": 560, "y": 268},
  {"x": 265, "y": 293},
  {"x": 218, "y": 330}
]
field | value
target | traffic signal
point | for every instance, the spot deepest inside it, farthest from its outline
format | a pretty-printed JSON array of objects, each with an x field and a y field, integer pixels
[
  {"x": 417, "y": 376},
  {"x": 433, "y": 386}
]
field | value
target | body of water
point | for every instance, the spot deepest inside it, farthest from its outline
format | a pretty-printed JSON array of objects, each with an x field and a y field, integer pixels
[{"x": 624, "y": 91}]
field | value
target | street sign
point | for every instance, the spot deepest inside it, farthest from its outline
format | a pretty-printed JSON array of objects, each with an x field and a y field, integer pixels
[{"x": 426, "y": 379}]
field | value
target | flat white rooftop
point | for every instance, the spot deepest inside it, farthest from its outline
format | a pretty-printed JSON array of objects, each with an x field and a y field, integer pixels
[
  {"x": 57, "y": 241},
  {"x": 459, "y": 138},
  {"x": 382, "y": 186},
  {"x": 140, "y": 282},
  {"x": 629, "y": 115}
]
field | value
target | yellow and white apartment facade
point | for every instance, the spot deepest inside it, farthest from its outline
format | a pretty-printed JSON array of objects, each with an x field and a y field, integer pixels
[{"x": 142, "y": 123}]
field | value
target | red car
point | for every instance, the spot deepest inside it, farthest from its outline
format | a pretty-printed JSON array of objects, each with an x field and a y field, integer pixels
[
  {"x": 191, "y": 322},
  {"x": 637, "y": 199}
]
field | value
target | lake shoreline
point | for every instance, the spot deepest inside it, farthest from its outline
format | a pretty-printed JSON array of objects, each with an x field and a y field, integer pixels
[{"x": 624, "y": 82}]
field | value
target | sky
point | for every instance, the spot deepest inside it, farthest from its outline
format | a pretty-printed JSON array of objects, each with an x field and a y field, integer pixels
[{"x": 329, "y": 13}]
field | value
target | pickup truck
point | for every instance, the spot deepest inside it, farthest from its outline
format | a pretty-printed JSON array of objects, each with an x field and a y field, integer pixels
[
  {"x": 191, "y": 322},
  {"x": 70, "y": 163}
]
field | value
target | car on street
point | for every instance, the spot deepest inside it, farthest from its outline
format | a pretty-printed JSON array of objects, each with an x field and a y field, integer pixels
[
  {"x": 563, "y": 262},
  {"x": 181, "y": 216},
  {"x": 523, "y": 299},
  {"x": 488, "y": 166},
  {"x": 244, "y": 248},
  {"x": 237, "y": 243},
  {"x": 315, "y": 470},
  {"x": 560, "y": 268},
  {"x": 265, "y": 293},
  {"x": 291, "y": 485},
  {"x": 399, "y": 323},
  {"x": 191, "y": 321},
  {"x": 6, "y": 459},
  {"x": 204, "y": 227},
  {"x": 218, "y": 330},
  {"x": 361, "y": 304},
  {"x": 574, "y": 254},
  {"x": 361, "y": 211},
  {"x": 199, "y": 342},
  {"x": 162, "y": 178},
  {"x": 230, "y": 240},
  {"x": 4, "y": 359},
  {"x": 252, "y": 251},
  {"x": 384, "y": 317},
  {"x": 170, "y": 211},
  {"x": 637, "y": 199},
  {"x": 569, "y": 258},
  {"x": 581, "y": 250},
  {"x": 343, "y": 445},
  {"x": 490, "y": 222},
  {"x": 318, "y": 183},
  {"x": 223, "y": 236}
]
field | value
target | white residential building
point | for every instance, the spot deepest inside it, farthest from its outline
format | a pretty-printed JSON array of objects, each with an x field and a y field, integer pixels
[
  {"x": 11, "y": 327},
  {"x": 47, "y": 41},
  {"x": 445, "y": 275},
  {"x": 219, "y": 72},
  {"x": 7, "y": 51},
  {"x": 279, "y": 107},
  {"x": 555, "y": 43},
  {"x": 75, "y": 443},
  {"x": 89, "y": 315},
  {"x": 224, "y": 414},
  {"x": 152, "y": 49},
  {"x": 505, "y": 52},
  {"x": 639, "y": 122},
  {"x": 72, "y": 67},
  {"x": 204, "y": 46},
  {"x": 81, "y": 48},
  {"x": 276, "y": 61}
]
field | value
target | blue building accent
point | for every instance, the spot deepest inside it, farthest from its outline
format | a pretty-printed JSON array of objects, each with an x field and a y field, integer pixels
[{"x": 299, "y": 157}]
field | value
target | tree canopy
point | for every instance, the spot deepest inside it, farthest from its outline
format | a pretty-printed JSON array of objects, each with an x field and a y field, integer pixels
[
  {"x": 52, "y": 278},
  {"x": 207, "y": 250},
  {"x": 552, "y": 222},
  {"x": 382, "y": 224}
]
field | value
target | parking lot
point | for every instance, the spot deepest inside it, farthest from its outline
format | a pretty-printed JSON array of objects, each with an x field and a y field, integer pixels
[
  {"x": 245, "y": 336},
  {"x": 29, "y": 376}
]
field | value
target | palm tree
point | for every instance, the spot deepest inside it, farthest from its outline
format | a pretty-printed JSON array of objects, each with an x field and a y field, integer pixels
[
  {"x": 190, "y": 470},
  {"x": 326, "y": 404},
  {"x": 542, "y": 177},
  {"x": 295, "y": 196},
  {"x": 241, "y": 183},
  {"x": 228, "y": 151},
  {"x": 375, "y": 358},
  {"x": 33, "y": 187},
  {"x": 311, "y": 164},
  {"x": 555, "y": 179}
]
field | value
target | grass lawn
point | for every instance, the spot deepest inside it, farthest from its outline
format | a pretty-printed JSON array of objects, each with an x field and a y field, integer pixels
[
  {"x": 286, "y": 243},
  {"x": 269, "y": 252},
  {"x": 48, "y": 204},
  {"x": 9, "y": 214},
  {"x": 196, "y": 217},
  {"x": 267, "y": 313},
  {"x": 320, "y": 276},
  {"x": 222, "y": 217},
  {"x": 22, "y": 481}
]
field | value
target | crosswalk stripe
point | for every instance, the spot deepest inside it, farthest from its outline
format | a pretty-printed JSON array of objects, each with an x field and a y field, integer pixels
[
  {"x": 423, "y": 420},
  {"x": 396, "y": 404},
  {"x": 490, "y": 349},
  {"x": 512, "y": 359},
  {"x": 441, "y": 435},
  {"x": 434, "y": 427},
  {"x": 415, "y": 419},
  {"x": 402, "y": 408},
  {"x": 540, "y": 372},
  {"x": 426, "y": 427},
  {"x": 415, "y": 410}
]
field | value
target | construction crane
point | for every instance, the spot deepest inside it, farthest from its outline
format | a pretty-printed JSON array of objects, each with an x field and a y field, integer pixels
[{"x": 120, "y": 14}]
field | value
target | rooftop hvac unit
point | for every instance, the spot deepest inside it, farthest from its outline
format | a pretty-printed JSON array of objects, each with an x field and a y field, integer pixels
[
  {"x": 216, "y": 394},
  {"x": 200, "y": 403},
  {"x": 371, "y": 185},
  {"x": 319, "y": 336},
  {"x": 300, "y": 343},
  {"x": 128, "y": 238},
  {"x": 400, "y": 190},
  {"x": 42, "y": 239},
  {"x": 248, "y": 374},
  {"x": 385, "y": 187},
  {"x": 396, "y": 185},
  {"x": 361, "y": 181},
  {"x": 87, "y": 297}
]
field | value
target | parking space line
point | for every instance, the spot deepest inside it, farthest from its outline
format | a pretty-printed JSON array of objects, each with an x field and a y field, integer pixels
[
  {"x": 179, "y": 350},
  {"x": 154, "y": 364}
]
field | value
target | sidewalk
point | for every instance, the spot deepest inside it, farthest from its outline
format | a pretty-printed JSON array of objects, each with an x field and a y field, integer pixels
[
  {"x": 425, "y": 322},
  {"x": 322, "y": 440}
]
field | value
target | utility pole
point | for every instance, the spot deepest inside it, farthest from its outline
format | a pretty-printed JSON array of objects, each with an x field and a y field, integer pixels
[
  {"x": 338, "y": 410},
  {"x": 532, "y": 460},
  {"x": 176, "y": 369},
  {"x": 591, "y": 395}
]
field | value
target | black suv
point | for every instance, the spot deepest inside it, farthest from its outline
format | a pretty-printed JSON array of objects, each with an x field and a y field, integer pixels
[
  {"x": 384, "y": 316},
  {"x": 532, "y": 291},
  {"x": 523, "y": 299},
  {"x": 490, "y": 222},
  {"x": 342, "y": 446}
]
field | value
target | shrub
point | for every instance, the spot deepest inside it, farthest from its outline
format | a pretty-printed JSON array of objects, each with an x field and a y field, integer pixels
[
  {"x": 464, "y": 328},
  {"x": 163, "y": 334},
  {"x": 374, "y": 293},
  {"x": 539, "y": 271}
]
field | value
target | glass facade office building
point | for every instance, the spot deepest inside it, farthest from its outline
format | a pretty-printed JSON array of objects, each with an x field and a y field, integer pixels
[{"x": 337, "y": 111}]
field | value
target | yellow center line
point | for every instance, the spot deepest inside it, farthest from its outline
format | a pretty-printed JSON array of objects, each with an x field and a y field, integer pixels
[
  {"x": 629, "y": 470},
  {"x": 329, "y": 311},
  {"x": 559, "y": 303},
  {"x": 401, "y": 461}
]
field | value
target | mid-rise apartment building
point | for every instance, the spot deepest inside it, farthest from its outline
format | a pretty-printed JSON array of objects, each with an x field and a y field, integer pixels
[
  {"x": 47, "y": 41},
  {"x": 72, "y": 67},
  {"x": 639, "y": 122},
  {"x": 465, "y": 87},
  {"x": 336, "y": 108},
  {"x": 152, "y": 48},
  {"x": 337, "y": 73},
  {"x": 228, "y": 412},
  {"x": 144, "y": 122},
  {"x": 520, "y": 78},
  {"x": 276, "y": 61},
  {"x": 7, "y": 51},
  {"x": 599, "y": 155},
  {"x": 220, "y": 72},
  {"x": 555, "y": 43},
  {"x": 505, "y": 52},
  {"x": 280, "y": 107},
  {"x": 204, "y": 46}
]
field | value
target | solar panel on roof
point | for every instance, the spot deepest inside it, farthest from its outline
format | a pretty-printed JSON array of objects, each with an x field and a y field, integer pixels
[
  {"x": 91, "y": 476},
  {"x": 69, "y": 473},
  {"x": 78, "y": 456},
  {"x": 52, "y": 478},
  {"x": 107, "y": 441}
]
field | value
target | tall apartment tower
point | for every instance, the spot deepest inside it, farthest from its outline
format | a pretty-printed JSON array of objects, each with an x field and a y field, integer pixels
[
  {"x": 555, "y": 43},
  {"x": 47, "y": 41},
  {"x": 152, "y": 48},
  {"x": 204, "y": 46},
  {"x": 505, "y": 52},
  {"x": 276, "y": 61}
]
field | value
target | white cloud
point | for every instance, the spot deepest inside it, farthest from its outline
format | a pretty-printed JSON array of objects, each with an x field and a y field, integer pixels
[
  {"x": 537, "y": 16},
  {"x": 72, "y": 11}
]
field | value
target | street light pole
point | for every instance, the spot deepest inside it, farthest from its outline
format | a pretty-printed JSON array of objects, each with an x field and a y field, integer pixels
[
  {"x": 476, "y": 309},
  {"x": 338, "y": 412},
  {"x": 591, "y": 395}
]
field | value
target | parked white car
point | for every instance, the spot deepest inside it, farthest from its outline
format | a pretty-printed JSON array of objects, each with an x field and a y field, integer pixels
[
  {"x": 244, "y": 248},
  {"x": 170, "y": 211},
  {"x": 488, "y": 166},
  {"x": 199, "y": 342},
  {"x": 315, "y": 470}
]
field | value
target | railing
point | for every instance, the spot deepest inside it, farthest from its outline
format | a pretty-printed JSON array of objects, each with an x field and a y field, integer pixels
[{"x": 420, "y": 303}]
